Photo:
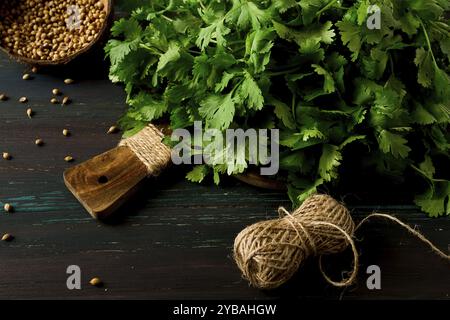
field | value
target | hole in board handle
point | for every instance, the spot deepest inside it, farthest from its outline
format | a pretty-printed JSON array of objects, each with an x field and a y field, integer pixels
[{"x": 102, "y": 179}]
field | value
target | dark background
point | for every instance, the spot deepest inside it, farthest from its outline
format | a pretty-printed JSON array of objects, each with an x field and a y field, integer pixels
[{"x": 174, "y": 239}]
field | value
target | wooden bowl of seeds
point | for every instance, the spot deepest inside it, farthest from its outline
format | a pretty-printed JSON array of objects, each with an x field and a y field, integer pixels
[{"x": 41, "y": 32}]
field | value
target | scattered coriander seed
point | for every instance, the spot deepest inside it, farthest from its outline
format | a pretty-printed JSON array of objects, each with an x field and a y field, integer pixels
[
  {"x": 30, "y": 113},
  {"x": 26, "y": 76},
  {"x": 68, "y": 159},
  {"x": 8, "y": 208},
  {"x": 56, "y": 92},
  {"x": 39, "y": 142},
  {"x": 112, "y": 129},
  {"x": 6, "y": 156},
  {"x": 69, "y": 81},
  {"x": 3, "y": 97},
  {"x": 7, "y": 237},
  {"x": 66, "y": 132},
  {"x": 65, "y": 101},
  {"x": 96, "y": 282},
  {"x": 54, "y": 101},
  {"x": 34, "y": 69},
  {"x": 23, "y": 100}
]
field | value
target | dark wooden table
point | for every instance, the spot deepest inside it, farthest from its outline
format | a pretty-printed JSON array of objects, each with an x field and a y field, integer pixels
[{"x": 174, "y": 239}]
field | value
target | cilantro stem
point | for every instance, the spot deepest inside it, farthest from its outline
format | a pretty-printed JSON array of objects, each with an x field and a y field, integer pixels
[
  {"x": 236, "y": 86},
  {"x": 200, "y": 2},
  {"x": 153, "y": 50},
  {"x": 428, "y": 43},
  {"x": 193, "y": 51},
  {"x": 169, "y": 7},
  {"x": 167, "y": 18},
  {"x": 236, "y": 42},
  {"x": 288, "y": 71},
  {"x": 391, "y": 62},
  {"x": 293, "y": 104},
  {"x": 328, "y": 6}
]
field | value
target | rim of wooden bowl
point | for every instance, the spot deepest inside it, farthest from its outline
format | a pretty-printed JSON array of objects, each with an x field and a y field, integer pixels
[
  {"x": 250, "y": 177},
  {"x": 253, "y": 178},
  {"x": 108, "y": 6}
]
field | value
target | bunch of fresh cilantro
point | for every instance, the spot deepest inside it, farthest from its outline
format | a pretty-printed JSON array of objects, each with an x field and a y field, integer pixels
[{"x": 338, "y": 91}]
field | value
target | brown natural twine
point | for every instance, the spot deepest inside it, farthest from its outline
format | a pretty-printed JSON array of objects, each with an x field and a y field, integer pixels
[
  {"x": 269, "y": 252},
  {"x": 147, "y": 146}
]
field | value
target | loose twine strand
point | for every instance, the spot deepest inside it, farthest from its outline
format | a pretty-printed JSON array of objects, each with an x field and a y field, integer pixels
[
  {"x": 269, "y": 252},
  {"x": 147, "y": 146}
]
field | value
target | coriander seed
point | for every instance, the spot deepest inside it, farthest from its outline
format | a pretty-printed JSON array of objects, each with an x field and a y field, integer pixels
[
  {"x": 112, "y": 129},
  {"x": 39, "y": 142},
  {"x": 8, "y": 208},
  {"x": 66, "y": 132},
  {"x": 65, "y": 101},
  {"x": 54, "y": 101},
  {"x": 96, "y": 282},
  {"x": 6, "y": 156},
  {"x": 7, "y": 237},
  {"x": 23, "y": 100},
  {"x": 56, "y": 92}
]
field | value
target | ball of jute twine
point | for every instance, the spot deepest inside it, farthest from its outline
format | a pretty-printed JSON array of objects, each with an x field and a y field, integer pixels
[{"x": 269, "y": 252}]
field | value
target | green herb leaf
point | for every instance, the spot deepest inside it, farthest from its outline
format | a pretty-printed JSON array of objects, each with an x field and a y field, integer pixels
[{"x": 312, "y": 69}]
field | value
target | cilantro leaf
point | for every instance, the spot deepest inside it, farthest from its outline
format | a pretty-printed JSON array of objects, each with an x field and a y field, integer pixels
[
  {"x": 171, "y": 55},
  {"x": 329, "y": 161},
  {"x": 198, "y": 173},
  {"x": 424, "y": 63},
  {"x": 218, "y": 110},
  {"x": 146, "y": 107},
  {"x": 328, "y": 84},
  {"x": 283, "y": 112},
  {"x": 393, "y": 143},
  {"x": 250, "y": 93},
  {"x": 312, "y": 69},
  {"x": 351, "y": 36}
]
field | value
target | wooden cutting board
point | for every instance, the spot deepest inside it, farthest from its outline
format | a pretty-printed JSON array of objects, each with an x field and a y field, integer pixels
[{"x": 102, "y": 184}]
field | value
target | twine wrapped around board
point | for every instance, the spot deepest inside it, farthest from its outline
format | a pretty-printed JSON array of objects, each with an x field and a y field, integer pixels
[
  {"x": 147, "y": 146},
  {"x": 269, "y": 252}
]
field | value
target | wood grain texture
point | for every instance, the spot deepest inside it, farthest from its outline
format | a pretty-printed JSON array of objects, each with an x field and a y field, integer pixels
[
  {"x": 174, "y": 239},
  {"x": 102, "y": 184}
]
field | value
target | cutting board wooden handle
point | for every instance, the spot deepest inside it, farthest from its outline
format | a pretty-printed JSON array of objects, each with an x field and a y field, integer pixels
[{"x": 105, "y": 182}]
